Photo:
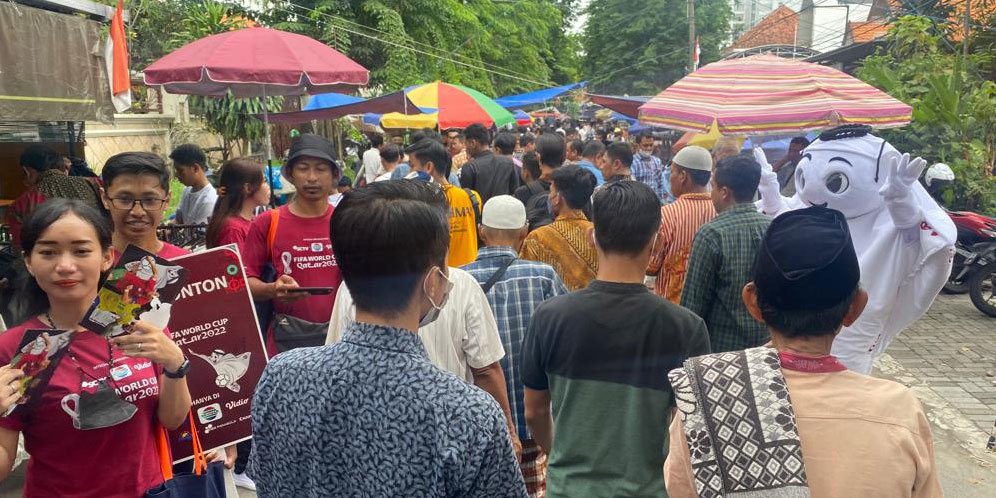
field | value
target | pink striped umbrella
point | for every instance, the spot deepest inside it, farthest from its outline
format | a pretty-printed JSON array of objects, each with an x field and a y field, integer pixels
[{"x": 765, "y": 94}]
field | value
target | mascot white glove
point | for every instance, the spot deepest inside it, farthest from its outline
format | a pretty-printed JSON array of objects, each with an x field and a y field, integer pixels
[
  {"x": 771, "y": 195},
  {"x": 898, "y": 190}
]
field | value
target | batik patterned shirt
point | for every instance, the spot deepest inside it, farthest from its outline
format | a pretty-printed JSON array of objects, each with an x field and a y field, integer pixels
[
  {"x": 372, "y": 416},
  {"x": 719, "y": 267},
  {"x": 566, "y": 246},
  {"x": 513, "y": 298}
]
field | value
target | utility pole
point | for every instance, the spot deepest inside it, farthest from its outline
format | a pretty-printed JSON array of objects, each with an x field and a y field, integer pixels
[
  {"x": 968, "y": 22},
  {"x": 691, "y": 35}
]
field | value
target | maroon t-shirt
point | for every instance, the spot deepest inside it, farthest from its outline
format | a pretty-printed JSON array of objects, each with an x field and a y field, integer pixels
[
  {"x": 234, "y": 230},
  {"x": 302, "y": 249},
  {"x": 115, "y": 462}
]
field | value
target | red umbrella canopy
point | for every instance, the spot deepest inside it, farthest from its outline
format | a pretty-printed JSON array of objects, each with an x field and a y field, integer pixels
[{"x": 252, "y": 62}]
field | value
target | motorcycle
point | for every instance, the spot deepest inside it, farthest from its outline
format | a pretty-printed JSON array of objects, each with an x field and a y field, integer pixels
[{"x": 974, "y": 267}]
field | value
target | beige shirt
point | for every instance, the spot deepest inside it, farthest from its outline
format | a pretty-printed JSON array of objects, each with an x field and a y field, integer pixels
[
  {"x": 463, "y": 338},
  {"x": 861, "y": 437}
]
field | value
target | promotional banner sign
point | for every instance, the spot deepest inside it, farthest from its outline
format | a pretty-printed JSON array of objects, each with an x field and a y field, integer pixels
[{"x": 213, "y": 320}]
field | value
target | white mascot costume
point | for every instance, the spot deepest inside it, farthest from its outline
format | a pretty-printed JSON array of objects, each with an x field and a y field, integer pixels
[{"x": 904, "y": 240}]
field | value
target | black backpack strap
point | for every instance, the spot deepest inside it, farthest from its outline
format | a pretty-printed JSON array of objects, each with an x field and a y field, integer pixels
[
  {"x": 500, "y": 272},
  {"x": 476, "y": 205}
]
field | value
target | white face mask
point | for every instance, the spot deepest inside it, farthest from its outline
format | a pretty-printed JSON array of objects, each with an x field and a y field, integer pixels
[
  {"x": 644, "y": 154},
  {"x": 433, "y": 313}
]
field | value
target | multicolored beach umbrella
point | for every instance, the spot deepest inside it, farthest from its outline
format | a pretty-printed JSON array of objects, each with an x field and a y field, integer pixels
[
  {"x": 458, "y": 106},
  {"x": 765, "y": 94}
]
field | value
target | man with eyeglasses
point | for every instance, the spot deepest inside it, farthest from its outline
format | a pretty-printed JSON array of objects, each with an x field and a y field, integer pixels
[{"x": 136, "y": 192}]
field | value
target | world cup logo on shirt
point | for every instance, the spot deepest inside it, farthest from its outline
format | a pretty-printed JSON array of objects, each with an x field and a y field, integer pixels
[{"x": 286, "y": 258}]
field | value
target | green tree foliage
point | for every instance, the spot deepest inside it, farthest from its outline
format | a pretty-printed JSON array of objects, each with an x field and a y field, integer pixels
[
  {"x": 405, "y": 42},
  {"x": 639, "y": 48},
  {"x": 227, "y": 116},
  {"x": 954, "y": 108}
]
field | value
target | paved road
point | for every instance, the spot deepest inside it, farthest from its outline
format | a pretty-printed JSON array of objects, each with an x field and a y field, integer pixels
[{"x": 949, "y": 359}]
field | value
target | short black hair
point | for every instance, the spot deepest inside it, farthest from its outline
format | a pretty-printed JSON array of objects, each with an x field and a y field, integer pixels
[
  {"x": 741, "y": 174},
  {"x": 377, "y": 140},
  {"x": 800, "y": 140},
  {"x": 135, "y": 163},
  {"x": 551, "y": 149},
  {"x": 626, "y": 215},
  {"x": 41, "y": 158},
  {"x": 698, "y": 176},
  {"x": 621, "y": 151},
  {"x": 806, "y": 323},
  {"x": 530, "y": 163},
  {"x": 526, "y": 139},
  {"x": 426, "y": 133},
  {"x": 592, "y": 148},
  {"x": 432, "y": 151},
  {"x": 478, "y": 132},
  {"x": 577, "y": 146},
  {"x": 391, "y": 153},
  {"x": 385, "y": 237},
  {"x": 643, "y": 134},
  {"x": 505, "y": 142},
  {"x": 345, "y": 181},
  {"x": 575, "y": 184},
  {"x": 189, "y": 155}
]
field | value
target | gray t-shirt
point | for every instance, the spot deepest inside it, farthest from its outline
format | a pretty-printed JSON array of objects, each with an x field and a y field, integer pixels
[{"x": 196, "y": 207}]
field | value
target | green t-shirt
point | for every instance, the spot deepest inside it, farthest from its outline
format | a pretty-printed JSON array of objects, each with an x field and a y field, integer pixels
[{"x": 604, "y": 353}]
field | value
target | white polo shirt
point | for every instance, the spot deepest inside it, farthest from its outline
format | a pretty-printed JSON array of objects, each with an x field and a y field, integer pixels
[{"x": 465, "y": 335}]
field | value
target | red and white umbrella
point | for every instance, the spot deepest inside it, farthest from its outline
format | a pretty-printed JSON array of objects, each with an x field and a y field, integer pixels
[{"x": 255, "y": 62}]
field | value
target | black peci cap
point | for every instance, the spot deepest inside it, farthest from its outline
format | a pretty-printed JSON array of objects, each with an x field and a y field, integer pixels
[{"x": 806, "y": 261}]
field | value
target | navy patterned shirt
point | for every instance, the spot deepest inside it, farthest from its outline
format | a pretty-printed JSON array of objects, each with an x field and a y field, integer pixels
[{"x": 372, "y": 416}]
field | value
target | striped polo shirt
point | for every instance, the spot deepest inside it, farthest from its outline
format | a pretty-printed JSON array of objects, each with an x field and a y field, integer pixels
[{"x": 669, "y": 259}]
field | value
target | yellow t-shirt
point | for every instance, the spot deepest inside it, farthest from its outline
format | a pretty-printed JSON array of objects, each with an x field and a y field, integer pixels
[{"x": 463, "y": 226}]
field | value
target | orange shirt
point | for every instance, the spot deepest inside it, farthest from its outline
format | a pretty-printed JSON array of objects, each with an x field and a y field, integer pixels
[{"x": 463, "y": 226}]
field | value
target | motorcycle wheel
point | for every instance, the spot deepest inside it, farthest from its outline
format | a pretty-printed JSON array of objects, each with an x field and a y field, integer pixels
[
  {"x": 982, "y": 291},
  {"x": 955, "y": 288}
]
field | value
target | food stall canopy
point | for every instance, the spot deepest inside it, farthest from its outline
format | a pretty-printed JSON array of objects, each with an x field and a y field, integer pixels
[
  {"x": 51, "y": 67},
  {"x": 392, "y": 102},
  {"x": 326, "y": 100},
  {"x": 538, "y": 96},
  {"x": 627, "y": 106}
]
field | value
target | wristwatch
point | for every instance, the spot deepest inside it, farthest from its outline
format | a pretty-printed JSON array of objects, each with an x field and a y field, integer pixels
[{"x": 180, "y": 372}]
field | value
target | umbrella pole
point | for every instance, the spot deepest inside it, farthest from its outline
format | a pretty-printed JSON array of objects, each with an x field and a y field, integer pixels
[{"x": 268, "y": 147}]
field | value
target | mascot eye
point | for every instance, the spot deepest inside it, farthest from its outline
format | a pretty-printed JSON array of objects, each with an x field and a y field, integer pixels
[{"x": 837, "y": 183}]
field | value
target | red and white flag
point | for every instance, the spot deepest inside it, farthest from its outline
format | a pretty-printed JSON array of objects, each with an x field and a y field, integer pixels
[
  {"x": 698, "y": 51},
  {"x": 116, "y": 58}
]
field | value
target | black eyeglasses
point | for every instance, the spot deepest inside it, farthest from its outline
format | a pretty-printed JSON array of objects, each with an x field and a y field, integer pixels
[{"x": 127, "y": 203}]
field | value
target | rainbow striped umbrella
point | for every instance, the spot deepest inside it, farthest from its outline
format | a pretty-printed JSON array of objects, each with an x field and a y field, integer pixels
[
  {"x": 458, "y": 106},
  {"x": 765, "y": 94}
]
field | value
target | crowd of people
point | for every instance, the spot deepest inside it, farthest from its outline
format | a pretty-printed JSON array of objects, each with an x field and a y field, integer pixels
[{"x": 562, "y": 315}]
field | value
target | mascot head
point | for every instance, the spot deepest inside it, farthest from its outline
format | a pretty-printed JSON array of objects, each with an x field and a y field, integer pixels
[{"x": 844, "y": 169}]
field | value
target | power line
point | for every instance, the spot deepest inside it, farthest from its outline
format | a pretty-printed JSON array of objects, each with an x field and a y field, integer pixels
[
  {"x": 336, "y": 18},
  {"x": 333, "y": 19}
]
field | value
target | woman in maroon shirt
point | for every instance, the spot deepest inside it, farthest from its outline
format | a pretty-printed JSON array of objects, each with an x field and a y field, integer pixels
[
  {"x": 80, "y": 448},
  {"x": 241, "y": 190}
]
